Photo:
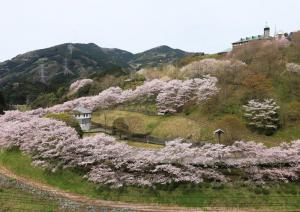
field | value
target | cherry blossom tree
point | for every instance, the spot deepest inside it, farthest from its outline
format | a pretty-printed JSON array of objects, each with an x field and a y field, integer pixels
[
  {"x": 263, "y": 115},
  {"x": 168, "y": 99},
  {"x": 175, "y": 94}
]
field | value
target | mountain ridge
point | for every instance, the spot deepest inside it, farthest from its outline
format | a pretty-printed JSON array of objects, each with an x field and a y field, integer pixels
[{"x": 27, "y": 75}]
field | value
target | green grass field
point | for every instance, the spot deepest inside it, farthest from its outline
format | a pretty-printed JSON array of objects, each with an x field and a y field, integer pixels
[
  {"x": 195, "y": 126},
  {"x": 282, "y": 197}
]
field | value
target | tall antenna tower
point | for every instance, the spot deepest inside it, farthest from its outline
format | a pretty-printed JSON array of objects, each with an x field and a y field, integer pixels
[
  {"x": 67, "y": 71},
  {"x": 43, "y": 77},
  {"x": 70, "y": 47}
]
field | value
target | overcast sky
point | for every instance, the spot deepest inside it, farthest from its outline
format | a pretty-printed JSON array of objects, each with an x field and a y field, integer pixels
[{"x": 138, "y": 25}]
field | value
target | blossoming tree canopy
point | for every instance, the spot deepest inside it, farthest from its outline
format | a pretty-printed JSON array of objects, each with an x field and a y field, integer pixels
[{"x": 175, "y": 94}]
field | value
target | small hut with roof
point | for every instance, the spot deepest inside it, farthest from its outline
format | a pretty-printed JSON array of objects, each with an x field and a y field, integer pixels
[{"x": 84, "y": 116}]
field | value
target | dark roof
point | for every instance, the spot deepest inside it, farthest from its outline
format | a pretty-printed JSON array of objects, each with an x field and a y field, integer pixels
[
  {"x": 218, "y": 131},
  {"x": 81, "y": 109}
]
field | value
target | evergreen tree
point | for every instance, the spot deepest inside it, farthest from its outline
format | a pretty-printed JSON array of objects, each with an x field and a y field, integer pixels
[{"x": 2, "y": 103}]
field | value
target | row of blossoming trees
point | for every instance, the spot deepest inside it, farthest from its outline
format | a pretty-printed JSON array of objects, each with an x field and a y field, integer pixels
[
  {"x": 169, "y": 95},
  {"x": 53, "y": 145}
]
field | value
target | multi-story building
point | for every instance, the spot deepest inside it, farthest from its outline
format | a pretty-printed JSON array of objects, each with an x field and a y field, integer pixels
[
  {"x": 280, "y": 38},
  {"x": 252, "y": 39}
]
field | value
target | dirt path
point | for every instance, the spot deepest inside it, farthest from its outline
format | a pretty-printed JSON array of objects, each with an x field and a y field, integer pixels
[{"x": 89, "y": 201}]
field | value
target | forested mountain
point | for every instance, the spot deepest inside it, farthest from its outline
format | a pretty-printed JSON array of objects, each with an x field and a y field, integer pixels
[
  {"x": 157, "y": 56},
  {"x": 26, "y": 76}
]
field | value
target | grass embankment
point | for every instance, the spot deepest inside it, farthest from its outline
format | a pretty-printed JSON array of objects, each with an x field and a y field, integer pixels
[
  {"x": 12, "y": 199},
  {"x": 195, "y": 126},
  {"x": 282, "y": 197},
  {"x": 20, "y": 164}
]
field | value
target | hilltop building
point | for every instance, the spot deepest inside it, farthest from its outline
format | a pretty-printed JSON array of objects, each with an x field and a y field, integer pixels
[
  {"x": 282, "y": 38},
  {"x": 84, "y": 117}
]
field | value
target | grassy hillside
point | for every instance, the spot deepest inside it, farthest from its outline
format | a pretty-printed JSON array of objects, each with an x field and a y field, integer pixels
[
  {"x": 164, "y": 127},
  {"x": 283, "y": 197},
  {"x": 195, "y": 126},
  {"x": 253, "y": 72}
]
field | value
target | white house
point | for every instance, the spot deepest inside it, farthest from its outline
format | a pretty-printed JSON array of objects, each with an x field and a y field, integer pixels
[{"x": 84, "y": 116}]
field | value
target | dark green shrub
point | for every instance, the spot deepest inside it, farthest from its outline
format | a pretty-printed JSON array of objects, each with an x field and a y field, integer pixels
[
  {"x": 120, "y": 126},
  {"x": 83, "y": 91},
  {"x": 45, "y": 100}
]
